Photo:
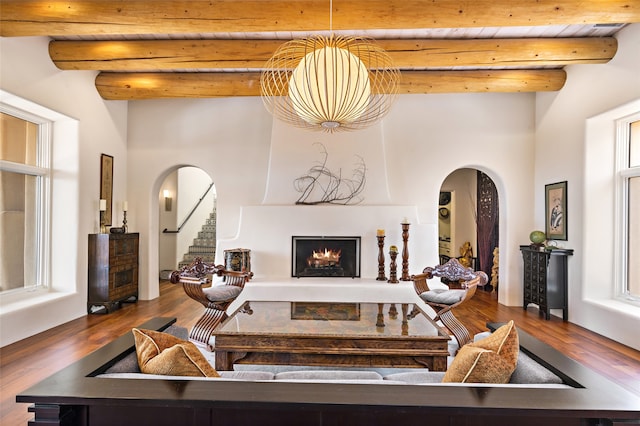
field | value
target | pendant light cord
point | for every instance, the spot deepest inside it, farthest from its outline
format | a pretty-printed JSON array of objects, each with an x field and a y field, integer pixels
[{"x": 330, "y": 17}]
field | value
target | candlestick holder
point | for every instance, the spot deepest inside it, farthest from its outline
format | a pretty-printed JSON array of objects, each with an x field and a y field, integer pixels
[
  {"x": 405, "y": 252},
  {"x": 380, "y": 316},
  {"x": 405, "y": 320},
  {"x": 393, "y": 277},
  {"x": 103, "y": 226},
  {"x": 393, "y": 311},
  {"x": 125, "y": 228},
  {"x": 381, "y": 276}
]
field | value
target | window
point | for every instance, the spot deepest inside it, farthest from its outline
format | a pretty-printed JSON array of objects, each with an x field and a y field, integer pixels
[
  {"x": 24, "y": 199},
  {"x": 628, "y": 145}
]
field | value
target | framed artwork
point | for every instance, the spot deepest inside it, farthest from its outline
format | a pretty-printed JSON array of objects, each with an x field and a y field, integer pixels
[
  {"x": 106, "y": 185},
  {"x": 555, "y": 204}
]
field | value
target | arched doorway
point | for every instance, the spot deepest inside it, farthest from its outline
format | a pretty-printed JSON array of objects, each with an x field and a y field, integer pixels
[
  {"x": 468, "y": 221},
  {"x": 187, "y": 219}
]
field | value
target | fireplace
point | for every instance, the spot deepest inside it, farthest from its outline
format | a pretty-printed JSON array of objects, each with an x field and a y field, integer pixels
[{"x": 325, "y": 257}]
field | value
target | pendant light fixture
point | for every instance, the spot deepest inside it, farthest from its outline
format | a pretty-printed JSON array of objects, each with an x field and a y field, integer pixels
[{"x": 329, "y": 83}]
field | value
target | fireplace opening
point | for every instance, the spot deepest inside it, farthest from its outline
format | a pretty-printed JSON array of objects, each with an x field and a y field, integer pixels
[{"x": 325, "y": 257}]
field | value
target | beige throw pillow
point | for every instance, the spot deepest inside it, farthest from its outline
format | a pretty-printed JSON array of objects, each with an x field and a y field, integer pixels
[
  {"x": 490, "y": 360},
  {"x": 162, "y": 353}
]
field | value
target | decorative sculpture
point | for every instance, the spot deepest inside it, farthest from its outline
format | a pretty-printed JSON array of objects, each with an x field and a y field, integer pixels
[
  {"x": 495, "y": 269},
  {"x": 331, "y": 188}
]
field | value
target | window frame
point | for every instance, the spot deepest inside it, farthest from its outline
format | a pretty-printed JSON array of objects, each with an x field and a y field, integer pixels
[
  {"x": 42, "y": 171},
  {"x": 623, "y": 173}
]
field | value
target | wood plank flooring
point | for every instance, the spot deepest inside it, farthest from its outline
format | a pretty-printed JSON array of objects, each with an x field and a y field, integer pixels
[{"x": 28, "y": 361}]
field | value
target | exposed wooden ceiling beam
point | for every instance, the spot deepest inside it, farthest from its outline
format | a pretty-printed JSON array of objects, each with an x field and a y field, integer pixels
[
  {"x": 104, "y": 17},
  {"x": 152, "y": 55},
  {"x": 137, "y": 86}
]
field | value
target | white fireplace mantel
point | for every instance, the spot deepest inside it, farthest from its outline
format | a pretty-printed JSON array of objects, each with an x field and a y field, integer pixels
[{"x": 267, "y": 231}]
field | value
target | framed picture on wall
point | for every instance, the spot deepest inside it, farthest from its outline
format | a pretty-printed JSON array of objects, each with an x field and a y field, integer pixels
[
  {"x": 106, "y": 185},
  {"x": 555, "y": 204}
]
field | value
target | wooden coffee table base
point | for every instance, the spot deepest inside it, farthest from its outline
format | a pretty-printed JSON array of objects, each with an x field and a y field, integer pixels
[{"x": 335, "y": 351}]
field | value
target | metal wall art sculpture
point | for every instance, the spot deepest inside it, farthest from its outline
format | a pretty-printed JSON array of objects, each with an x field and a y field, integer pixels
[{"x": 322, "y": 186}]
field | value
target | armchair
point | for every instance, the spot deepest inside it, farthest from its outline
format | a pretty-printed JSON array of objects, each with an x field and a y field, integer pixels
[
  {"x": 444, "y": 301},
  {"x": 215, "y": 299}
]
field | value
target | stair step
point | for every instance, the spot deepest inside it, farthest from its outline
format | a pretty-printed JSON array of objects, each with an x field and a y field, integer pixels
[
  {"x": 206, "y": 242},
  {"x": 191, "y": 257},
  {"x": 201, "y": 249}
]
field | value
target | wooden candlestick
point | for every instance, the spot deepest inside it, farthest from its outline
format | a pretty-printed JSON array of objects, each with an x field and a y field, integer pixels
[
  {"x": 405, "y": 252},
  {"x": 380, "y": 316},
  {"x": 405, "y": 320},
  {"x": 393, "y": 278},
  {"x": 125, "y": 228},
  {"x": 381, "y": 276},
  {"x": 103, "y": 226}
]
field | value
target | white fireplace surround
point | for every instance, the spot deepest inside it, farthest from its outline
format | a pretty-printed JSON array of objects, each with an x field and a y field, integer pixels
[{"x": 267, "y": 232}]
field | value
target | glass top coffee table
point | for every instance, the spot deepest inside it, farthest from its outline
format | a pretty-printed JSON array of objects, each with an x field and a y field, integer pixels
[{"x": 330, "y": 334}]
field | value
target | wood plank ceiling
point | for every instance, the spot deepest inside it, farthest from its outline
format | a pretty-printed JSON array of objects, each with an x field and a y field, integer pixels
[{"x": 195, "y": 49}]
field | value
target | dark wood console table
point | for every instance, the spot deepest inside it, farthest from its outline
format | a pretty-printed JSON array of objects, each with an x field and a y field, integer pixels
[
  {"x": 113, "y": 271},
  {"x": 546, "y": 279}
]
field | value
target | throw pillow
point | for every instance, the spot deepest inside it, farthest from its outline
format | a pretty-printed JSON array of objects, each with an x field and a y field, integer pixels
[
  {"x": 490, "y": 360},
  {"x": 504, "y": 341},
  {"x": 162, "y": 353},
  {"x": 477, "y": 365}
]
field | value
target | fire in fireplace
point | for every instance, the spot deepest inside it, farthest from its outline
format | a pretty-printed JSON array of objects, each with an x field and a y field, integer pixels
[{"x": 325, "y": 257}]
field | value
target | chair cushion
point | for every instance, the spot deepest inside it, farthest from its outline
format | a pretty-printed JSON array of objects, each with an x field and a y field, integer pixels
[
  {"x": 164, "y": 354},
  {"x": 328, "y": 375},
  {"x": 489, "y": 360},
  {"x": 444, "y": 297},
  {"x": 529, "y": 371},
  {"x": 222, "y": 293}
]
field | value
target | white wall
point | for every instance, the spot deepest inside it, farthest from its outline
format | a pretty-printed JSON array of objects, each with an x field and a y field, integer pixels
[
  {"x": 463, "y": 212},
  {"x": 192, "y": 183},
  {"x": 27, "y": 72},
  {"x": 167, "y": 242},
  {"x": 561, "y": 119},
  {"x": 253, "y": 162}
]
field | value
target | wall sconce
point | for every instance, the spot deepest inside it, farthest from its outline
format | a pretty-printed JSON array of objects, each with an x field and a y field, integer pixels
[{"x": 167, "y": 200}]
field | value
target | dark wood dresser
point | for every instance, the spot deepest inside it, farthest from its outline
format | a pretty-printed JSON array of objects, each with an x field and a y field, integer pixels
[
  {"x": 546, "y": 279},
  {"x": 113, "y": 271}
]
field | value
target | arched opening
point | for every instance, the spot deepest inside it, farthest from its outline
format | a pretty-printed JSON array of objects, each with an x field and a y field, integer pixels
[
  {"x": 468, "y": 222},
  {"x": 186, "y": 219}
]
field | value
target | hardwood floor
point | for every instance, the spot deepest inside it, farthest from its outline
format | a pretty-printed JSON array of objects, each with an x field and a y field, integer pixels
[{"x": 28, "y": 361}]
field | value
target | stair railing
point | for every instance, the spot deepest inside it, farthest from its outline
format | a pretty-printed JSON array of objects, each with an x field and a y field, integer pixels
[{"x": 167, "y": 231}]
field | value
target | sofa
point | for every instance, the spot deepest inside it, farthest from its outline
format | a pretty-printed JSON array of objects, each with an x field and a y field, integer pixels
[
  {"x": 104, "y": 388},
  {"x": 528, "y": 373}
]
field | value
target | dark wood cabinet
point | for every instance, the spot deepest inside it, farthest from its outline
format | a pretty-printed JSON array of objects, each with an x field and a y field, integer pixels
[
  {"x": 113, "y": 271},
  {"x": 545, "y": 279}
]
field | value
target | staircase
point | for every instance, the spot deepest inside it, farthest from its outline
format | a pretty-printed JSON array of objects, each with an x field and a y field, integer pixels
[{"x": 204, "y": 245}]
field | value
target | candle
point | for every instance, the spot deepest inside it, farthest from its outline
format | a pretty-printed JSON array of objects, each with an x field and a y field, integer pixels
[
  {"x": 103, "y": 205},
  {"x": 380, "y": 232},
  {"x": 405, "y": 220},
  {"x": 125, "y": 206}
]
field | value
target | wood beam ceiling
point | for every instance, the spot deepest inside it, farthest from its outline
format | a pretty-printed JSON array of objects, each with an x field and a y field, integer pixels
[
  {"x": 208, "y": 64},
  {"x": 103, "y": 17},
  {"x": 128, "y": 86},
  {"x": 156, "y": 55}
]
